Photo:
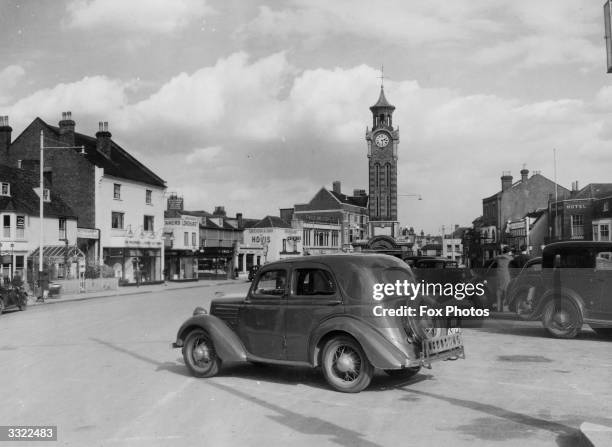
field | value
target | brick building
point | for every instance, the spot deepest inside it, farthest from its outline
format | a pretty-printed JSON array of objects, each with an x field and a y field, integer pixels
[{"x": 118, "y": 201}]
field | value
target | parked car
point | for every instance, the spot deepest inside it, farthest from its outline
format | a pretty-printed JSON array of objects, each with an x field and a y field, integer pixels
[
  {"x": 13, "y": 297},
  {"x": 252, "y": 272},
  {"x": 576, "y": 283},
  {"x": 523, "y": 290},
  {"x": 317, "y": 311}
]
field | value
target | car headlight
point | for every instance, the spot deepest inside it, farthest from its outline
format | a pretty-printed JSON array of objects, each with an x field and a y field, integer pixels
[{"x": 199, "y": 311}]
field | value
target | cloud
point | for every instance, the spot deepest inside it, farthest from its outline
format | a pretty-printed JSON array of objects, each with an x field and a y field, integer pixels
[
  {"x": 9, "y": 78},
  {"x": 149, "y": 16},
  {"x": 256, "y": 134}
]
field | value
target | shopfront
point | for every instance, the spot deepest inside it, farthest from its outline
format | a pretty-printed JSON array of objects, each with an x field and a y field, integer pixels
[
  {"x": 135, "y": 265},
  {"x": 181, "y": 265},
  {"x": 215, "y": 262}
]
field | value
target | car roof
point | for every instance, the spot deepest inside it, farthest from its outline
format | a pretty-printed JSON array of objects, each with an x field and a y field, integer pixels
[{"x": 564, "y": 244}]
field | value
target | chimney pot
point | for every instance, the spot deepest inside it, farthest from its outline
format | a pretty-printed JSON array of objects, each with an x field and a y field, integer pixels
[{"x": 337, "y": 187}]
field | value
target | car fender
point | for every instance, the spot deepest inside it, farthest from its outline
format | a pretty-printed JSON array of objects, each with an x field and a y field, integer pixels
[
  {"x": 549, "y": 295},
  {"x": 227, "y": 344},
  {"x": 379, "y": 350}
]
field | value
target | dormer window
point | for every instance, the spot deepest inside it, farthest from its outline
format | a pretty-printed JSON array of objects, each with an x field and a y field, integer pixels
[
  {"x": 5, "y": 189},
  {"x": 46, "y": 195}
]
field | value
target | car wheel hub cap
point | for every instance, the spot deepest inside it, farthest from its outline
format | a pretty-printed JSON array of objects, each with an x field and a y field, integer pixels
[
  {"x": 346, "y": 363},
  {"x": 201, "y": 353}
]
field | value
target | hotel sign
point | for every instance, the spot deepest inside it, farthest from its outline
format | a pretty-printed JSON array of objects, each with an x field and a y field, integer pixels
[{"x": 88, "y": 233}]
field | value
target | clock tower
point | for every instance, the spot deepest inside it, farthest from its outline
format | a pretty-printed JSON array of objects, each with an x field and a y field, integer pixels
[{"x": 382, "y": 167}]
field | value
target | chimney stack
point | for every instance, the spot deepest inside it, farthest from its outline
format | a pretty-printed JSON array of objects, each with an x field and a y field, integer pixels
[
  {"x": 506, "y": 180},
  {"x": 66, "y": 129},
  {"x": 524, "y": 174},
  {"x": 219, "y": 211},
  {"x": 336, "y": 187},
  {"x": 5, "y": 135},
  {"x": 103, "y": 139},
  {"x": 239, "y": 219}
]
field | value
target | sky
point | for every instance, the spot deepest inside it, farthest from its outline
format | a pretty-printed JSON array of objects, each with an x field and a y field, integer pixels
[{"x": 256, "y": 105}]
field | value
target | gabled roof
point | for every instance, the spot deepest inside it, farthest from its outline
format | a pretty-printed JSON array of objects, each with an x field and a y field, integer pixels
[
  {"x": 120, "y": 164},
  {"x": 361, "y": 201},
  {"x": 594, "y": 191},
  {"x": 24, "y": 199},
  {"x": 271, "y": 222}
]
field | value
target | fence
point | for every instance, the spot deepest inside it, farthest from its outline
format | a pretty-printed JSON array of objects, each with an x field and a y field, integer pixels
[{"x": 72, "y": 286}]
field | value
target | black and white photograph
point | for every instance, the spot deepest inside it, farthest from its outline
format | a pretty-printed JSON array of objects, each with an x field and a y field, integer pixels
[{"x": 306, "y": 222}]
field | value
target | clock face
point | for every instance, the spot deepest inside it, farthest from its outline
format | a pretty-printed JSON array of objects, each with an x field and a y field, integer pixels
[{"x": 381, "y": 140}]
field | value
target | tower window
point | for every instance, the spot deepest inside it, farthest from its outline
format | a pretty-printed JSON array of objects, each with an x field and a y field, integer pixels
[
  {"x": 388, "y": 175},
  {"x": 377, "y": 174}
]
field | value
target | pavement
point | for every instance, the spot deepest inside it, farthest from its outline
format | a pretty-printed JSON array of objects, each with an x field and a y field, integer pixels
[{"x": 133, "y": 290}]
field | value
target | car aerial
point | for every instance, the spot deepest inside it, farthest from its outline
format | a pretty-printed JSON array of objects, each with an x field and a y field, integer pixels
[
  {"x": 576, "y": 282},
  {"x": 319, "y": 311}
]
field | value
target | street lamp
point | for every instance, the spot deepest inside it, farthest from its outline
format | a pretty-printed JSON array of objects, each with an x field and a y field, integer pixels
[
  {"x": 44, "y": 284},
  {"x": 12, "y": 261}
]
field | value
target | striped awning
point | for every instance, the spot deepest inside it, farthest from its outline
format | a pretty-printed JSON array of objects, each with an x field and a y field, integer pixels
[{"x": 59, "y": 252}]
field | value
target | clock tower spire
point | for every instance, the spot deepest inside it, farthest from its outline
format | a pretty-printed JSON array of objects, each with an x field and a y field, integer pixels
[{"x": 382, "y": 143}]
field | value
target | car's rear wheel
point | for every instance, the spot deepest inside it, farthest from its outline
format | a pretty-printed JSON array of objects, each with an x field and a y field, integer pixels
[
  {"x": 405, "y": 373},
  {"x": 200, "y": 355},
  {"x": 345, "y": 366},
  {"x": 562, "y": 318}
]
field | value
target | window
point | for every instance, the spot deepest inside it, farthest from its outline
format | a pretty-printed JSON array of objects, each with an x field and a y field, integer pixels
[
  {"x": 20, "y": 227},
  {"x": 117, "y": 220},
  {"x": 5, "y": 189},
  {"x": 6, "y": 221},
  {"x": 186, "y": 239},
  {"x": 577, "y": 226},
  {"x": 148, "y": 223},
  {"x": 149, "y": 196},
  {"x": 48, "y": 177},
  {"x": 272, "y": 282},
  {"x": 595, "y": 232},
  {"x": 604, "y": 232},
  {"x": 314, "y": 282},
  {"x": 377, "y": 174},
  {"x": 193, "y": 239},
  {"x": 62, "y": 228},
  {"x": 388, "y": 175},
  {"x": 116, "y": 191},
  {"x": 46, "y": 195},
  {"x": 603, "y": 261}
]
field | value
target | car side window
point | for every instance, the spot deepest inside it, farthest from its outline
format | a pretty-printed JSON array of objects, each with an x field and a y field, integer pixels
[
  {"x": 272, "y": 282},
  {"x": 314, "y": 282},
  {"x": 603, "y": 260}
]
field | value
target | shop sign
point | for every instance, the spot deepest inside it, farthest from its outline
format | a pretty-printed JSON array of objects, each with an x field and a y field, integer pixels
[
  {"x": 88, "y": 233},
  {"x": 260, "y": 239},
  {"x": 216, "y": 251}
]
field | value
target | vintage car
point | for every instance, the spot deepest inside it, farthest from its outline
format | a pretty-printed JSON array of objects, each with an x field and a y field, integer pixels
[
  {"x": 523, "y": 290},
  {"x": 576, "y": 284},
  {"x": 318, "y": 311},
  {"x": 13, "y": 297}
]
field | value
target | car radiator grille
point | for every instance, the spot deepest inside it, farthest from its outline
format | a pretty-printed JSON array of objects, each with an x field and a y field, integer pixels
[{"x": 229, "y": 314}]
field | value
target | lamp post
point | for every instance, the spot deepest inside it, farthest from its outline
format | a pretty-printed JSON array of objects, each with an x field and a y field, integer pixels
[
  {"x": 43, "y": 283},
  {"x": 12, "y": 261}
]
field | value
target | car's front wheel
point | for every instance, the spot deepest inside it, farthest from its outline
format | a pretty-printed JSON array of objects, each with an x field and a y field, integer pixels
[
  {"x": 345, "y": 366},
  {"x": 200, "y": 355},
  {"x": 562, "y": 318}
]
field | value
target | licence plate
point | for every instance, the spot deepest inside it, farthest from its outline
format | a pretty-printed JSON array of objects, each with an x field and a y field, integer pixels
[{"x": 442, "y": 348}]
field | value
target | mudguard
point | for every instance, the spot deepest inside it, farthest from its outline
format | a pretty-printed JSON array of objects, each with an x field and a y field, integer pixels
[
  {"x": 380, "y": 352},
  {"x": 549, "y": 295},
  {"x": 228, "y": 345}
]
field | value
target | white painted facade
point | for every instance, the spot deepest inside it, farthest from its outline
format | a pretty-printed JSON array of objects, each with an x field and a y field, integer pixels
[
  {"x": 134, "y": 251},
  {"x": 275, "y": 243}
]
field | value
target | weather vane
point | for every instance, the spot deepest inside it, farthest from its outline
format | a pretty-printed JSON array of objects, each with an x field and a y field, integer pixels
[{"x": 382, "y": 76}]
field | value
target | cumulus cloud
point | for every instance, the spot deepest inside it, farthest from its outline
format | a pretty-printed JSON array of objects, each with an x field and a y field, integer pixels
[
  {"x": 150, "y": 16},
  {"x": 9, "y": 77},
  {"x": 257, "y": 134}
]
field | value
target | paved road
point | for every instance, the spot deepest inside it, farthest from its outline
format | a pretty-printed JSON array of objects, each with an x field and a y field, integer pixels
[{"x": 103, "y": 372}]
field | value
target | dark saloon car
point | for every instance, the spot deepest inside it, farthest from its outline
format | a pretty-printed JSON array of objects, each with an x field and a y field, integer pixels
[
  {"x": 576, "y": 288},
  {"x": 320, "y": 311}
]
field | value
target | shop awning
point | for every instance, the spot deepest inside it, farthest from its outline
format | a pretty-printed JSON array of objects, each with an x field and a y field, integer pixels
[{"x": 59, "y": 252}]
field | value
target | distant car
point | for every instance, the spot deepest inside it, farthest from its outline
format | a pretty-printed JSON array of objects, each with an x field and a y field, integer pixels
[
  {"x": 522, "y": 291},
  {"x": 252, "y": 272},
  {"x": 576, "y": 285},
  {"x": 13, "y": 298},
  {"x": 319, "y": 311}
]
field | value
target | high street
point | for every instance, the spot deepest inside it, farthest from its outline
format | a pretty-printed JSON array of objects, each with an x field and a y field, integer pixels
[{"x": 103, "y": 372}]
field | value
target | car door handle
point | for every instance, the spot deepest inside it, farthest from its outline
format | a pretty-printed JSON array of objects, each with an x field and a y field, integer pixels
[{"x": 333, "y": 303}]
